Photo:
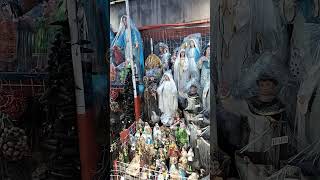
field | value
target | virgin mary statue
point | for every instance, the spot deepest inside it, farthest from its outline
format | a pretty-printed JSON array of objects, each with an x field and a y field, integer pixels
[
  {"x": 167, "y": 98},
  {"x": 121, "y": 40},
  {"x": 193, "y": 51},
  {"x": 184, "y": 71}
]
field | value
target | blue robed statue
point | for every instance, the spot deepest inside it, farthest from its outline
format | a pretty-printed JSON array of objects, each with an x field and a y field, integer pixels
[{"x": 122, "y": 41}]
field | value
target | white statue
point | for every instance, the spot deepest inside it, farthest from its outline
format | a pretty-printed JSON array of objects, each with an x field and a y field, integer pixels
[
  {"x": 157, "y": 132},
  {"x": 167, "y": 98},
  {"x": 184, "y": 71}
]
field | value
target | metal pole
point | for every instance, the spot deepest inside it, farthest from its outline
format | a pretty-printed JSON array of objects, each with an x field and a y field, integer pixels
[
  {"x": 151, "y": 43},
  {"x": 132, "y": 64},
  {"x": 87, "y": 145}
]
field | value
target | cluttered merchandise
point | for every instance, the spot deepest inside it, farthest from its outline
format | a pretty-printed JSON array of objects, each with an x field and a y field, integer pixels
[{"x": 170, "y": 139}]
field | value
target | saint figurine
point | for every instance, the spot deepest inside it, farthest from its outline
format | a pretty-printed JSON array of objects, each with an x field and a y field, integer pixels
[
  {"x": 164, "y": 56},
  {"x": 167, "y": 98},
  {"x": 182, "y": 135},
  {"x": 122, "y": 41},
  {"x": 185, "y": 71},
  {"x": 204, "y": 67},
  {"x": 193, "y": 176},
  {"x": 193, "y": 105},
  {"x": 182, "y": 171},
  {"x": 151, "y": 79},
  {"x": 266, "y": 119},
  {"x": 173, "y": 58},
  {"x": 147, "y": 134},
  {"x": 184, "y": 152},
  {"x": 193, "y": 52},
  {"x": 157, "y": 132},
  {"x": 190, "y": 158}
]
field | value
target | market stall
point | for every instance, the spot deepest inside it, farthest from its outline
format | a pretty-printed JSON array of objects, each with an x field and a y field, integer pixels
[{"x": 170, "y": 138}]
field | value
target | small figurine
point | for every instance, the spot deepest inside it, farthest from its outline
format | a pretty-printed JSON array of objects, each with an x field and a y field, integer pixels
[
  {"x": 173, "y": 160},
  {"x": 190, "y": 158},
  {"x": 164, "y": 170},
  {"x": 125, "y": 154},
  {"x": 182, "y": 171},
  {"x": 162, "y": 156},
  {"x": 157, "y": 132},
  {"x": 193, "y": 176},
  {"x": 121, "y": 158},
  {"x": 184, "y": 152},
  {"x": 173, "y": 150},
  {"x": 144, "y": 173},
  {"x": 158, "y": 165},
  {"x": 182, "y": 135},
  {"x": 166, "y": 145},
  {"x": 173, "y": 168},
  {"x": 160, "y": 176},
  {"x": 175, "y": 175},
  {"x": 150, "y": 175},
  {"x": 193, "y": 100},
  {"x": 149, "y": 140},
  {"x": 183, "y": 162},
  {"x": 147, "y": 134}
]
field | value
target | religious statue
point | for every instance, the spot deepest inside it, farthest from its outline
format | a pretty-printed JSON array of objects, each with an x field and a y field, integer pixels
[
  {"x": 162, "y": 155},
  {"x": 126, "y": 158},
  {"x": 122, "y": 41},
  {"x": 193, "y": 176},
  {"x": 182, "y": 135},
  {"x": 157, "y": 134},
  {"x": 173, "y": 150},
  {"x": 184, "y": 152},
  {"x": 173, "y": 58},
  {"x": 204, "y": 67},
  {"x": 193, "y": 51},
  {"x": 167, "y": 98},
  {"x": 147, "y": 134},
  {"x": 190, "y": 158},
  {"x": 151, "y": 80},
  {"x": 185, "y": 71},
  {"x": 173, "y": 167},
  {"x": 164, "y": 56},
  {"x": 193, "y": 100},
  {"x": 265, "y": 115},
  {"x": 144, "y": 173},
  {"x": 182, "y": 171}
]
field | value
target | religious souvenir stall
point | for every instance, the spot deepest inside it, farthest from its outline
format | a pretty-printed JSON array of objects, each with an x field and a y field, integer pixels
[{"x": 171, "y": 138}]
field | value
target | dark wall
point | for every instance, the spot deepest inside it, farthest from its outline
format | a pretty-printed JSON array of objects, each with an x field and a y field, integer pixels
[{"x": 149, "y": 12}]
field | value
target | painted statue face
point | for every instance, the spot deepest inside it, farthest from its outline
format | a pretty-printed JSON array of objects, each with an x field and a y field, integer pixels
[
  {"x": 161, "y": 50},
  {"x": 208, "y": 52},
  {"x": 267, "y": 87},
  {"x": 193, "y": 90},
  {"x": 166, "y": 78},
  {"x": 192, "y": 44},
  {"x": 124, "y": 20},
  {"x": 182, "y": 54}
]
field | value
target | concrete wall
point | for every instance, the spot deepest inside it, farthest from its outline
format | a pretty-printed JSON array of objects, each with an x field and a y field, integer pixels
[{"x": 149, "y": 12}]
